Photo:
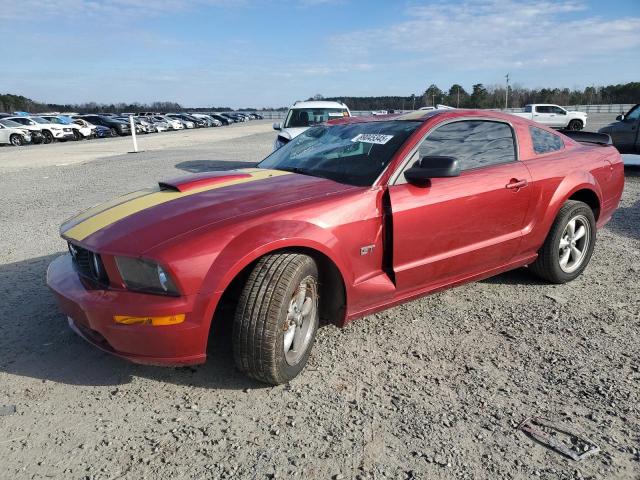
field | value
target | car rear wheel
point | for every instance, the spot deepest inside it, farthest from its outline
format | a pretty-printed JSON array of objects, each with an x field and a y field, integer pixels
[
  {"x": 16, "y": 140},
  {"x": 77, "y": 135},
  {"x": 568, "y": 248},
  {"x": 575, "y": 125},
  {"x": 277, "y": 318},
  {"x": 48, "y": 136}
]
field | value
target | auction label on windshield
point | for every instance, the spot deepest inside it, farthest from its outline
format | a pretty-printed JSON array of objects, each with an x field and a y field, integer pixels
[{"x": 376, "y": 138}]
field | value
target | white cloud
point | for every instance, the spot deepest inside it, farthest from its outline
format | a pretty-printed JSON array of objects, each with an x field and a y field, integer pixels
[{"x": 487, "y": 34}]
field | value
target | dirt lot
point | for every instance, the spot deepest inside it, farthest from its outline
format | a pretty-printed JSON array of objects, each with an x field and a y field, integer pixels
[{"x": 431, "y": 389}]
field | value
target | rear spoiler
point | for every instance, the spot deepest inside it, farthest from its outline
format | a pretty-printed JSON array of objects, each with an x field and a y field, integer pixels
[{"x": 588, "y": 137}]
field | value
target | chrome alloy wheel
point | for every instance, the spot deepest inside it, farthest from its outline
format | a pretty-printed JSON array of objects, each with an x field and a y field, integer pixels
[
  {"x": 298, "y": 327},
  {"x": 574, "y": 243}
]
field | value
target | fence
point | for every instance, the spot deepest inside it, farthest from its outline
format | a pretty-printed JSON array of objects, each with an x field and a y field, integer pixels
[{"x": 611, "y": 108}]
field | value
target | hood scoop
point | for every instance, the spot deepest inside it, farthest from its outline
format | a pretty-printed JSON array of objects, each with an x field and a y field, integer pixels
[{"x": 203, "y": 180}]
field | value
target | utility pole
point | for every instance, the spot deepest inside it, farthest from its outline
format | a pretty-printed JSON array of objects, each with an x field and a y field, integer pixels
[
  {"x": 506, "y": 93},
  {"x": 433, "y": 99},
  {"x": 413, "y": 95},
  {"x": 458, "y": 101}
]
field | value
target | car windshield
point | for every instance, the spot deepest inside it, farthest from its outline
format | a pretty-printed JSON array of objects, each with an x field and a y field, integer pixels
[
  {"x": 55, "y": 120},
  {"x": 355, "y": 154},
  {"x": 11, "y": 124},
  {"x": 39, "y": 120},
  {"x": 306, "y": 117}
]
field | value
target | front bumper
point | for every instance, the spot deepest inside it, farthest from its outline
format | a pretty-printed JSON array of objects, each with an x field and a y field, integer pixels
[{"x": 91, "y": 311}]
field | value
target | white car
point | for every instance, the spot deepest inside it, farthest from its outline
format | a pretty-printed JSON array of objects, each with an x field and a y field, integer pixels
[
  {"x": 554, "y": 116},
  {"x": 79, "y": 132},
  {"x": 13, "y": 134},
  {"x": 302, "y": 115},
  {"x": 84, "y": 124},
  {"x": 172, "y": 122},
  {"x": 50, "y": 131},
  {"x": 438, "y": 107}
]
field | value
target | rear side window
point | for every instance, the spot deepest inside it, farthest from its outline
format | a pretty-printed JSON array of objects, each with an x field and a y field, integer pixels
[
  {"x": 545, "y": 142},
  {"x": 475, "y": 143}
]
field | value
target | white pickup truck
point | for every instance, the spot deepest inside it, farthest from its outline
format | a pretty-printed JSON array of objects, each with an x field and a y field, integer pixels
[{"x": 554, "y": 116}]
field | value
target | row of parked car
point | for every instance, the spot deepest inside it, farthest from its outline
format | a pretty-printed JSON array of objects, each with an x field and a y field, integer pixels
[{"x": 21, "y": 128}]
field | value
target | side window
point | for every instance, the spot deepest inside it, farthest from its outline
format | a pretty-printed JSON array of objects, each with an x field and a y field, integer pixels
[
  {"x": 527, "y": 109},
  {"x": 557, "y": 110},
  {"x": 543, "y": 109},
  {"x": 545, "y": 142},
  {"x": 634, "y": 114},
  {"x": 475, "y": 143}
]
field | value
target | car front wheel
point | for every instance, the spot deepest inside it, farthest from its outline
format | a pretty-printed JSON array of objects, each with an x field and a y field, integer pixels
[
  {"x": 16, "y": 140},
  {"x": 48, "y": 136},
  {"x": 277, "y": 318},
  {"x": 568, "y": 247},
  {"x": 575, "y": 125}
]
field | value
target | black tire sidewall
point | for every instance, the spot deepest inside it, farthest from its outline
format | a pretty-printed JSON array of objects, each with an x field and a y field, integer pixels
[
  {"x": 559, "y": 226},
  {"x": 288, "y": 372},
  {"x": 48, "y": 136},
  {"x": 575, "y": 125}
]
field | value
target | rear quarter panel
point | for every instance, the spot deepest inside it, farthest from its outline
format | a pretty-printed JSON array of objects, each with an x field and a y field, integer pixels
[{"x": 557, "y": 176}]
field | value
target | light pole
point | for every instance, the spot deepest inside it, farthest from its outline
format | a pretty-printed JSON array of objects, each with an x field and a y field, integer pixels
[
  {"x": 458, "y": 101},
  {"x": 506, "y": 93}
]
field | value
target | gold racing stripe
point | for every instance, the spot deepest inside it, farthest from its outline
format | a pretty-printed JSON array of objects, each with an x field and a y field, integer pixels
[{"x": 117, "y": 210}]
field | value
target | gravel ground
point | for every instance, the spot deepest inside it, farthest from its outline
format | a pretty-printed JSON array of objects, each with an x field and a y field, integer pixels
[{"x": 431, "y": 389}]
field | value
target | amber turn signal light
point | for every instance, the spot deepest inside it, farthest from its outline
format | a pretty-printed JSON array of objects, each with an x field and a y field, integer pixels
[{"x": 153, "y": 321}]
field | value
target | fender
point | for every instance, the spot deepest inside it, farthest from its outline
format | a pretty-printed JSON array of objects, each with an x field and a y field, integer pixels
[
  {"x": 262, "y": 239},
  {"x": 578, "y": 180}
]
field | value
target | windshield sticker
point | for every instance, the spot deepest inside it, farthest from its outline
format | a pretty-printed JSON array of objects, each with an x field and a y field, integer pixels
[
  {"x": 376, "y": 138},
  {"x": 335, "y": 114}
]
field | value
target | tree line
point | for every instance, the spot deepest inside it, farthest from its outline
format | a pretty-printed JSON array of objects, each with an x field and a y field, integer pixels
[
  {"x": 456, "y": 96},
  {"x": 495, "y": 96}
]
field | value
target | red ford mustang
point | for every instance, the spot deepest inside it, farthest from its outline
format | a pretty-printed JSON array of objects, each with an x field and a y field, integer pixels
[{"x": 346, "y": 219}]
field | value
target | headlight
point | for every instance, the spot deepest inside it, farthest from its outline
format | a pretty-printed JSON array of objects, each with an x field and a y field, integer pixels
[{"x": 146, "y": 276}]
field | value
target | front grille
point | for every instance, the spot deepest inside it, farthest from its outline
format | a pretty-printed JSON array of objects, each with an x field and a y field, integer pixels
[{"x": 88, "y": 264}]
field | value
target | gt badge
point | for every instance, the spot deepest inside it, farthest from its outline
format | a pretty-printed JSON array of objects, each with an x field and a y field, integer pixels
[{"x": 366, "y": 250}]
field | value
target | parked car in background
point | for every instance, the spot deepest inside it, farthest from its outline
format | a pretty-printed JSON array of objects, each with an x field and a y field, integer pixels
[
  {"x": 425, "y": 201},
  {"x": 159, "y": 125},
  {"x": 117, "y": 127},
  {"x": 79, "y": 132},
  {"x": 93, "y": 129},
  {"x": 174, "y": 123},
  {"x": 188, "y": 123},
  {"x": 221, "y": 118},
  {"x": 624, "y": 132},
  {"x": 34, "y": 134},
  {"x": 302, "y": 115},
  {"x": 554, "y": 116},
  {"x": 13, "y": 135},
  {"x": 50, "y": 131}
]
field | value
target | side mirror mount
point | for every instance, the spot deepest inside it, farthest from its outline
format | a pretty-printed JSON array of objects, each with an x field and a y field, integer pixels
[
  {"x": 429, "y": 167},
  {"x": 620, "y": 117},
  {"x": 277, "y": 126}
]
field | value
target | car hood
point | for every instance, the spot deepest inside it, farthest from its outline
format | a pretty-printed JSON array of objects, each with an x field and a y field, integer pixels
[
  {"x": 135, "y": 223},
  {"x": 291, "y": 133}
]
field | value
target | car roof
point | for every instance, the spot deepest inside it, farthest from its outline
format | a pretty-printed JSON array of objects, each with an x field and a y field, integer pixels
[
  {"x": 424, "y": 115},
  {"x": 318, "y": 104}
]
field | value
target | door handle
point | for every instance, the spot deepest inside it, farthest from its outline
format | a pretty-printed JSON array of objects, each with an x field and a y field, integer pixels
[{"x": 516, "y": 184}]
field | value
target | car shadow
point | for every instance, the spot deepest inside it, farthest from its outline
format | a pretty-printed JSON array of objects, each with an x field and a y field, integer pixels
[
  {"x": 198, "y": 166},
  {"x": 36, "y": 342},
  {"x": 519, "y": 276}
]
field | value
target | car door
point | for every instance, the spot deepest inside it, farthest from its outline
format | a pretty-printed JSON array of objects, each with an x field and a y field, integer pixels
[
  {"x": 543, "y": 115},
  {"x": 557, "y": 117},
  {"x": 625, "y": 133},
  {"x": 456, "y": 227}
]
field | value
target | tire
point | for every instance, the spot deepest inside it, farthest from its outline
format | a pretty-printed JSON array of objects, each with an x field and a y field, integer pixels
[
  {"x": 16, "y": 140},
  {"x": 114, "y": 132},
  {"x": 270, "y": 315},
  {"x": 549, "y": 264},
  {"x": 77, "y": 135},
  {"x": 48, "y": 137},
  {"x": 575, "y": 125}
]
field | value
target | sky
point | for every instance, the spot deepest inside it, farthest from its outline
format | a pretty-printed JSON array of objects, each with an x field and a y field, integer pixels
[{"x": 270, "y": 53}]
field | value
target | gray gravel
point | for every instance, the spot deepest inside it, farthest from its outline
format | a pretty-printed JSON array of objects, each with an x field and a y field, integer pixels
[{"x": 430, "y": 389}]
